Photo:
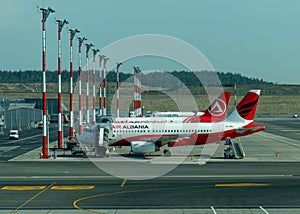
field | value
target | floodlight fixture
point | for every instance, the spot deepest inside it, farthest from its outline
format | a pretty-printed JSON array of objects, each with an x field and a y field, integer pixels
[
  {"x": 72, "y": 33},
  {"x": 88, "y": 47},
  {"x": 46, "y": 13},
  {"x": 118, "y": 65},
  {"x": 61, "y": 24},
  {"x": 81, "y": 40},
  {"x": 95, "y": 51}
]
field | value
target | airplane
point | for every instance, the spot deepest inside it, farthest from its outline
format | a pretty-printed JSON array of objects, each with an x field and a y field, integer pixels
[
  {"x": 177, "y": 114},
  {"x": 145, "y": 138},
  {"x": 215, "y": 112}
]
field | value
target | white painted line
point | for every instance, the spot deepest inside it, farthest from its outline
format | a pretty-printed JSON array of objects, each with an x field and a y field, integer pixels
[
  {"x": 128, "y": 177},
  {"x": 8, "y": 148},
  {"x": 277, "y": 138},
  {"x": 213, "y": 209},
  {"x": 26, "y": 138},
  {"x": 265, "y": 211}
]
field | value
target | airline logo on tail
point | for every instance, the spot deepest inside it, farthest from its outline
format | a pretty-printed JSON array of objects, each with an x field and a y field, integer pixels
[
  {"x": 218, "y": 108},
  {"x": 215, "y": 112}
]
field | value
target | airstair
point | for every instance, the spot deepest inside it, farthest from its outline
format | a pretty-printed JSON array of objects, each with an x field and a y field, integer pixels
[
  {"x": 234, "y": 149},
  {"x": 101, "y": 143}
]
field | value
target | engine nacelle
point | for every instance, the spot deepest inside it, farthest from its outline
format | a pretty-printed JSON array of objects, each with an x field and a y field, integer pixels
[{"x": 142, "y": 147}]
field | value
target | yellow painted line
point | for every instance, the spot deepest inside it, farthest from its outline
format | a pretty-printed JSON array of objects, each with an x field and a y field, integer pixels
[
  {"x": 123, "y": 182},
  {"x": 290, "y": 130},
  {"x": 72, "y": 187},
  {"x": 241, "y": 185},
  {"x": 20, "y": 188},
  {"x": 32, "y": 198},
  {"x": 76, "y": 202}
]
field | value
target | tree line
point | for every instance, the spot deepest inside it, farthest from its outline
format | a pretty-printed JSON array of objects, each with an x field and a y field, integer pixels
[
  {"x": 155, "y": 79},
  {"x": 33, "y": 76}
]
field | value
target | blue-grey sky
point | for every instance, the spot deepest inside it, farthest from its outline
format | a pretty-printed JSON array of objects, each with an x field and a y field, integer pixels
[{"x": 257, "y": 38}]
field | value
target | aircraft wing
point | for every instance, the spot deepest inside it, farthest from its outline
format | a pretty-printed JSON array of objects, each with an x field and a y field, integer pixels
[{"x": 166, "y": 139}]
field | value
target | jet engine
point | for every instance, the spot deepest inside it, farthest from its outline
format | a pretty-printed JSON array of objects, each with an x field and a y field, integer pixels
[{"x": 142, "y": 147}]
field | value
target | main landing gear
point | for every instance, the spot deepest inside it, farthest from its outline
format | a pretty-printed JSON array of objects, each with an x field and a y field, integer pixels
[{"x": 167, "y": 153}]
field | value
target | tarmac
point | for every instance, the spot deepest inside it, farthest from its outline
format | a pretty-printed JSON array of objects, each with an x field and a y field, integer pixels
[
  {"x": 173, "y": 211},
  {"x": 260, "y": 147}
]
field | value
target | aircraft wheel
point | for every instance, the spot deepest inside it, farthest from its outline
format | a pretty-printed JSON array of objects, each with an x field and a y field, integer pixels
[{"x": 167, "y": 153}]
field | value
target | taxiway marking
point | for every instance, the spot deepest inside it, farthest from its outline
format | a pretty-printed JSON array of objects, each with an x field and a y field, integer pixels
[
  {"x": 123, "y": 182},
  {"x": 290, "y": 130},
  {"x": 276, "y": 138},
  {"x": 31, "y": 188},
  {"x": 76, "y": 202},
  {"x": 166, "y": 176},
  {"x": 32, "y": 198},
  {"x": 86, "y": 187},
  {"x": 213, "y": 209},
  {"x": 19, "y": 188},
  {"x": 265, "y": 211},
  {"x": 241, "y": 185}
]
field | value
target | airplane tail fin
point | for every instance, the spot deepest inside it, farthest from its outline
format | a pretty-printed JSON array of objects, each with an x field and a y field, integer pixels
[
  {"x": 245, "y": 110},
  {"x": 217, "y": 110}
]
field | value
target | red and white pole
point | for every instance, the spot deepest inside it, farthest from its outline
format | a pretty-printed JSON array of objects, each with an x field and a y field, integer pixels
[
  {"x": 72, "y": 35},
  {"x": 88, "y": 46},
  {"x": 95, "y": 51},
  {"x": 45, "y": 14},
  {"x": 80, "y": 41},
  {"x": 140, "y": 94},
  {"x": 118, "y": 93},
  {"x": 59, "y": 105},
  {"x": 45, "y": 143},
  {"x": 100, "y": 84},
  {"x": 104, "y": 86},
  {"x": 137, "y": 103},
  {"x": 234, "y": 103}
]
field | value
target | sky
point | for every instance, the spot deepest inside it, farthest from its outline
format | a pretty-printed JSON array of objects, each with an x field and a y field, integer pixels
[{"x": 257, "y": 38}]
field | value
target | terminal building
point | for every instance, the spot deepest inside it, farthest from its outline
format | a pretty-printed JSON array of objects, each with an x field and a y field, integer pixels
[
  {"x": 52, "y": 104},
  {"x": 26, "y": 113},
  {"x": 22, "y": 115}
]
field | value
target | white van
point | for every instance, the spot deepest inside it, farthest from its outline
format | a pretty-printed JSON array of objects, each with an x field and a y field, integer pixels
[{"x": 14, "y": 134}]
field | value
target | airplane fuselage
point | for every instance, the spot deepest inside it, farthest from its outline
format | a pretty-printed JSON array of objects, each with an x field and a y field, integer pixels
[{"x": 184, "y": 133}]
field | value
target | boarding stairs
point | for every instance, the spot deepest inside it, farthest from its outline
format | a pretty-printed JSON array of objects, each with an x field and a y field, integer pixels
[
  {"x": 236, "y": 148},
  {"x": 101, "y": 144}
]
